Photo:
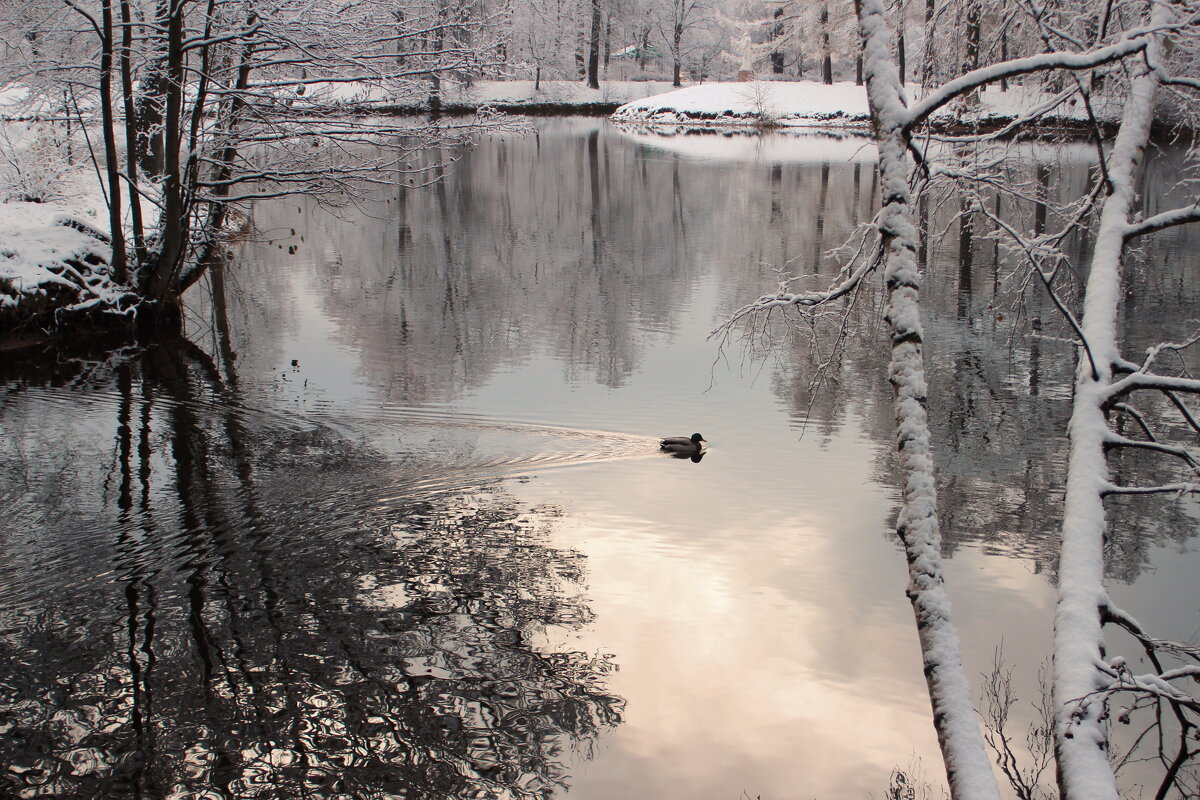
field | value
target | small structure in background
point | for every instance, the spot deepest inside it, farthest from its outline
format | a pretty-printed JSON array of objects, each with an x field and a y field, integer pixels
[
  {"x": 639, "y": 54},
  {"x": 746, "y": 70}
]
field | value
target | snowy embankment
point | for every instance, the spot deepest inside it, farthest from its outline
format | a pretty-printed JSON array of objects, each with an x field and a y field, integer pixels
[
  {"x": 17, "y": 103},
  {"x": 812, "y": 104},
  {"x": 51, "y": 261},
  {"x": 513, "y": 97},
  {"x": 54, "y": 257}
]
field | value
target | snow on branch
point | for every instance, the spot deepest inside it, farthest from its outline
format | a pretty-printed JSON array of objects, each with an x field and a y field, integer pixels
[
  {"x": 1133, "y": 42},
  {"x": 1182, "y": 453},
  {"x": 1123, "y": 619},
  {"x": 1177, "y": 489},
  {"x": 1081, "y": 735},
  {"x": 848, "y": 281},
  {"x": 968, "y": 770},
  {"x": 1158, "y": 685},
  {"x": 1147, "y": 380},
  {"x": 1167, "y": 219}
]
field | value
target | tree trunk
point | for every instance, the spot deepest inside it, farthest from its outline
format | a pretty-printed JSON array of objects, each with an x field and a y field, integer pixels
[
  {"x": 777, "y": 55},
  {"x": 927, "y": 56},
  {"x": 678, "y": 65},
  {"x": 968, "y": 770},
  {"x": 152, "y": 92},
  {"x": 606, "y": 42},
  {"x": 229, "y": 117},
  {"x": 111, "y": 167},
  {"x": 826, "y": 50},
  {"x": 131, "y": 134},
  {"x": 1081, "y": 736},
  {"x": 972, "y": 32},
  {"x": 173, "y": 233},
  {"x": 593, "y": 61},
  {"x": 1004, "y": 57},
  {"x": 435, "y": 75},
  {"x": 581, "y": 53}
]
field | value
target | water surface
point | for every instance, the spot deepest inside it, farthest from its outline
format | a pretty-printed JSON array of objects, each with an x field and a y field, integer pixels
[{"x": 393, "y": 522}]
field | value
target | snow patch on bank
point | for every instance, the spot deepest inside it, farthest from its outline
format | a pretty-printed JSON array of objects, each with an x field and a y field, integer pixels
[
  {"x": 362, "y": 96},
  {"x": 747, "y": 147},
  {"x": 52, "y": 258},
  {"x": 812, "y": 104}
]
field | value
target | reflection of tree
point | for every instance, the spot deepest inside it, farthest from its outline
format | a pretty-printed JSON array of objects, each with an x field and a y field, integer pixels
[
  {"x": 238, "y": 644},
  {"x": 571, "y": 242},
  {"x": 998, "y": 374}
]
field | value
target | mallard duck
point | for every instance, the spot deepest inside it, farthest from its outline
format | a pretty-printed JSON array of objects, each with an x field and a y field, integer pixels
[{"x": 682, "y": 444}]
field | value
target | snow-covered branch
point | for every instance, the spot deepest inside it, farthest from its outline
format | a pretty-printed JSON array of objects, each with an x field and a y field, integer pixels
[
  {"x": 1182, "y": 453},
  {"x": 1164, "y": 220},
  {"x": 1132, "y": 42},
  {"x": 1148, "y": 380},
  {"x": 1157, "y": 685},
  {"x": 1177, "y": 489},
  {"x": 1085, "y": 771},
  {"x": 1118, "y": 616},
  {"x": 968, "y": 772},
  {"x": 788, "y": 299}
]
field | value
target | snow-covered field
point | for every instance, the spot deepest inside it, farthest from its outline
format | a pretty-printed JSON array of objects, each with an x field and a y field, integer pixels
[{"x": 812, "y": 104}]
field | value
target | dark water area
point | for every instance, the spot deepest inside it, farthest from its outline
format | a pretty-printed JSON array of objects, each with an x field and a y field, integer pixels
[{"x": 391, "y": 521}]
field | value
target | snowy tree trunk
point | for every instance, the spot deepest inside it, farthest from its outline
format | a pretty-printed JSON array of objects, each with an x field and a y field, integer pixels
[
  {"x": 1081, "y": 737},
  {"x": 968, "y": 770}
]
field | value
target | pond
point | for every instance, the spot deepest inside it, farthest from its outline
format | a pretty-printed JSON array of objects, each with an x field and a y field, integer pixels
[{"x": 392, "y": 520}]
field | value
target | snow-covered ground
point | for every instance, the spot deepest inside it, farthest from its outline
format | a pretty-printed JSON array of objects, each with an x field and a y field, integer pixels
[
  {"x": 53, "y": 223},
  {"x": 566, "y": 93},
  {"x": 749, "y": 147},
  {"x": 812, "y": 104},
  {"x": 48, "y": 252},
  {"x": 35, "y": 237},
  {"x": 16, "y": 102}
]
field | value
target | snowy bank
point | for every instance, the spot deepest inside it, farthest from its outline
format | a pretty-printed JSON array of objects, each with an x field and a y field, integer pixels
[
  {"x": 18, "y": 103},
  {"x": 52, "y": 262},
  {"x": 508, "y": 96},
  {"x": 786, "y": 145},
  {"x": 812, "y": 104}
]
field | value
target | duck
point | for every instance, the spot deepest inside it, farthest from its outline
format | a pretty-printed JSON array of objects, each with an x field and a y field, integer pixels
[{"x": 682, "y": 444}]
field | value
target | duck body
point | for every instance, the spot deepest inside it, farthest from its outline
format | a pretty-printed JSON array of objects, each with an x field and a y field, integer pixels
[{"x": 682, "y": 444}]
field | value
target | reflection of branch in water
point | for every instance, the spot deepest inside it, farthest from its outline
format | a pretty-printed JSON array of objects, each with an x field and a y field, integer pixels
[{"x": 268, "y": 648}]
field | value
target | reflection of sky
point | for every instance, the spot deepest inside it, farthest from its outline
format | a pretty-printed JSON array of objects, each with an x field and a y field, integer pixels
[{"x": 754, "y": 601}]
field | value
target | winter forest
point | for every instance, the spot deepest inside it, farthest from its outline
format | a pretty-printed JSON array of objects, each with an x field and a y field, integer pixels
[{"x": 350, "y": 355}]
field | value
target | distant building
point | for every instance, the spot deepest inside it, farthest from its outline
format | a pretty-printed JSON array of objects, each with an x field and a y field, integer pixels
[{"x": 638, "y": 53}]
